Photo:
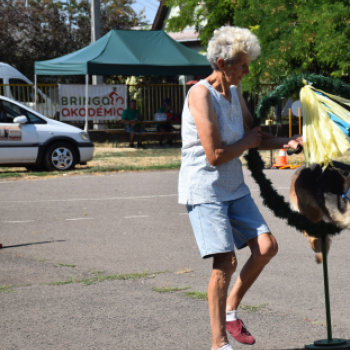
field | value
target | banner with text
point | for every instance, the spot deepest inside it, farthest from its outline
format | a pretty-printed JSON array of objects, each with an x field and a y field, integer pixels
[{"x": 105, "y": 102}]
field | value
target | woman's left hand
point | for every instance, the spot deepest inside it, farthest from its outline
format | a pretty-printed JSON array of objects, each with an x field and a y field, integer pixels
[{"x": 295, "y": 141}]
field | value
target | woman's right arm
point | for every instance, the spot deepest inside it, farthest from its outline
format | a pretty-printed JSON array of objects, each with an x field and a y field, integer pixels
[{"x": 202, "y": 109}]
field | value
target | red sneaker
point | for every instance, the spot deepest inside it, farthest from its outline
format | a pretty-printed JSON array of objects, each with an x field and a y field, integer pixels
[{"x": 239, "y": 332}]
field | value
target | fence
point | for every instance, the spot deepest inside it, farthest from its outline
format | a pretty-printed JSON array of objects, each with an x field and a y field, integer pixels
[
  {"x": 149, "y": 97},
  {"x": 47, "y": 97}
]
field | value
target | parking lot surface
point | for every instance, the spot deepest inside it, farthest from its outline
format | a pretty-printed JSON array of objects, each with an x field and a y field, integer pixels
[{"x": 68, "y": 240}]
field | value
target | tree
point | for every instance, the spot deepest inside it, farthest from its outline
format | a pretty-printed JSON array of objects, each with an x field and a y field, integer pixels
[
  {"x": 205, "y": 16},
  {"x": 47, "y": 29},
  {"x": 299, "y": 36},
  {"x": 296, "y": 36}
]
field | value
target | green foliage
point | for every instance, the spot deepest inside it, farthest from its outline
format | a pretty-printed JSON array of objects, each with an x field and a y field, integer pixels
[
  {"x": 299, "y": 36},
  {"x": 205, "y": 16},
  {"x": 296, "y": 36}
]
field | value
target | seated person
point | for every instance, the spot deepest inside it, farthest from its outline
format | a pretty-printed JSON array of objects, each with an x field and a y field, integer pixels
[
  {"x": 131, "y": 115},
  {"x": 166, "y": 127}
]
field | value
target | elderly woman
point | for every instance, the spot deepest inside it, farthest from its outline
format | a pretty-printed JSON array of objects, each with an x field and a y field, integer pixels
[{"x": 216, "y": 130}]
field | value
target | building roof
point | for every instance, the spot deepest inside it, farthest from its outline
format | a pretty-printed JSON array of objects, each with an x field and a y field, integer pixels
[{"x": 160, "y": 16}]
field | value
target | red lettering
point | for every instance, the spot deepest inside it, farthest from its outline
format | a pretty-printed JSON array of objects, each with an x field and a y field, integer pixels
[
  {"x": 65, "y": 112},
  {"x": 92, "y": 112},
  {"x": 121, "y": 98},
  {"x": 120, "y": 111},
  {"x": 108, "y": 112},
  {"x": 82, "y": 112},
  {"x": 100, "y": 111},
  {"x": 74, "y": 112}
]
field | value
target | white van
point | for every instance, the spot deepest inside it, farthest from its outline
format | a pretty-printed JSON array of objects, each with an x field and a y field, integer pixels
[{"x": 24, "y": 94}]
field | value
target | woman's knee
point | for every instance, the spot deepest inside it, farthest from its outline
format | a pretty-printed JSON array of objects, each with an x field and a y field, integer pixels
[
  {"x": 265, "y": 246},
  {"x": 225, "y": 262}
]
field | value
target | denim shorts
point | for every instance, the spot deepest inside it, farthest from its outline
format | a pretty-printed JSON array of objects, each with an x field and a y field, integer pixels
[
  {"x": 134, "y": 128},
  {"x": 221, "y": 226}
]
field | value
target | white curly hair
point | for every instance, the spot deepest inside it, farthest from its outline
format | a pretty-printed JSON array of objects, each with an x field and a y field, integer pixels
[{"x": 228, "y": 42}]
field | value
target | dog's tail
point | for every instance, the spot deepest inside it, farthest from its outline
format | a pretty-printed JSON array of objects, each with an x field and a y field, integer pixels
[
  {"x": 319, "y": 255},
  {"x": 319, "y": 258},
  {"x": 316, "y": 245}
]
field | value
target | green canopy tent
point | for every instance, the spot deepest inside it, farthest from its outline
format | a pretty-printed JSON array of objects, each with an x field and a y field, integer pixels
[{"x": 126, "y": 52}]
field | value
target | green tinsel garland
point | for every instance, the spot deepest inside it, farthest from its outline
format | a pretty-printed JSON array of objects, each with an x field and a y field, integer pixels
[{"x": 271, "y": 198}]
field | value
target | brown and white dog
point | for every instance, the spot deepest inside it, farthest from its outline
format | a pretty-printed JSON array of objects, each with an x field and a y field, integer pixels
[{"x": 318, "y": 195}]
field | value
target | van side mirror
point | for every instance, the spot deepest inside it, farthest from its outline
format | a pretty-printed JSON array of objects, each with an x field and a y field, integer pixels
[{"x": 20, "y": 120}]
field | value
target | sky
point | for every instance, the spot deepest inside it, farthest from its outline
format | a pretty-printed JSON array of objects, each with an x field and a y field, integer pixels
[{"x": 150, "y": 6}]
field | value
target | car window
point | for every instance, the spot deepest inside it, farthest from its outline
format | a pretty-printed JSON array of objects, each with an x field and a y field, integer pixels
[
  {"x": 34, "y": 119},
  {"x": 9, "y": 111},
  {"x": 24, "y": 93}
]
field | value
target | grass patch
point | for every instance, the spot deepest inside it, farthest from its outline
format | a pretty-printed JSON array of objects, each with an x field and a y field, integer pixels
[
  {"x": 109, "y": 160},
  {"x": 246, "y": 307},
  {"x": 197, "y": 295},
  {"x": 7, "y": 289},
  {"x": 253, "y": 308},
  {"x": 101, "y": 278},
  {"x": 59, "y": 283},
  {"x": 185, "y": 270},
  {"x": 123, "y": 277},
  {"x": 135, "y": 153},
  {"x": 67, "y": 265},
  {"x": 169, "y": 289}
]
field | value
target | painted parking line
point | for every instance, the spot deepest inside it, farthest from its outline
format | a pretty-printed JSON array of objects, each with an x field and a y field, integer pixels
[
  {"x": 18, "y": 221},
  {"x": 112, "y": 198},
  {"x": 75, "y": 219},
  {"x": 94, "y": 199},
  {"x": 136, "y": 216}
]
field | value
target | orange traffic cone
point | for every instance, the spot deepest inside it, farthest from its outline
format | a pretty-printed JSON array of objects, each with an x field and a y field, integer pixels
[{"x": 281, "y": 160}]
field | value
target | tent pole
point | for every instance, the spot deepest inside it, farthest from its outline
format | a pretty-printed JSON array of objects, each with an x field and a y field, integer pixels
[
  {"x": 35, "y": 92},
  {"x": 86, "y": 101},
  {"x": 184, "y": 90}
]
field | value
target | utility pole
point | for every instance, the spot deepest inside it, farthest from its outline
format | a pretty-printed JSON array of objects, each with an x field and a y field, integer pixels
[{"x": 96, "y": 33}]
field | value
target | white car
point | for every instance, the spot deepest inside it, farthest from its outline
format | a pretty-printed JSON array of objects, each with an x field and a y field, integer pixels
[{"x": 29, "y": 139}]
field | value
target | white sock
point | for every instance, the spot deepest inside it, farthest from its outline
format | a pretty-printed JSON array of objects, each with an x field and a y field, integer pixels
[
  {"x": 231, "y": 315},
  {"x": 226, "y": 347}
]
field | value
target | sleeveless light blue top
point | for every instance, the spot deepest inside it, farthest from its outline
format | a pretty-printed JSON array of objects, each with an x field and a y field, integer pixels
[{"x": 200, "y": 182}]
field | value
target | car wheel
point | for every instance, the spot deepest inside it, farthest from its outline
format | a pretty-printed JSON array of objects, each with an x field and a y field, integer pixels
[{"x": 60, "y": 156}]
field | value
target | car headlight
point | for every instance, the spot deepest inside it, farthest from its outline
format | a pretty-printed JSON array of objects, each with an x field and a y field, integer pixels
[{"x": 84, "y": 136}]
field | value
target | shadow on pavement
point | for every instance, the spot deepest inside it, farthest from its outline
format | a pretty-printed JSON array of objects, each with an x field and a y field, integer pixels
[{"x": 34, "y": 243}]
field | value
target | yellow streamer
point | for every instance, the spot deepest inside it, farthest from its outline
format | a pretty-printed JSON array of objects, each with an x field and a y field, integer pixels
[{"x": 323, "y": 139}]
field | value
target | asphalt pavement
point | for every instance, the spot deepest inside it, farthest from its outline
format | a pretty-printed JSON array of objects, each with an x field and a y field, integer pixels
[{"x": 67, "y": 241}]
